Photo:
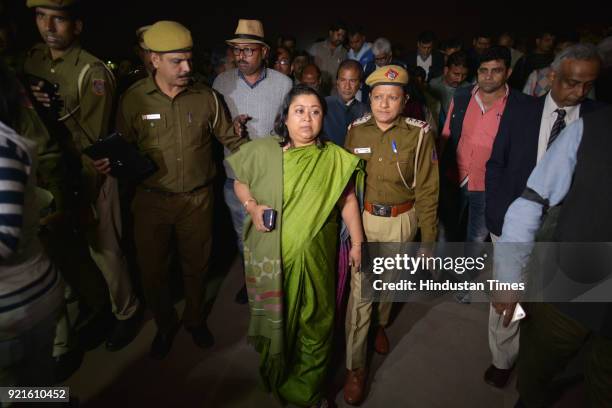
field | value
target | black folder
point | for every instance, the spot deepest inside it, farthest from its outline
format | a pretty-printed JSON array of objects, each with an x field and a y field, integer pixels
[{"x": 126, "y": 161}]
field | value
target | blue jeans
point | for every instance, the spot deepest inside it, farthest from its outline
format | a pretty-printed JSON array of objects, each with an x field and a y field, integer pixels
[
  {"x": 476, "y": 224},
  {"x": 236, "y": 210}
]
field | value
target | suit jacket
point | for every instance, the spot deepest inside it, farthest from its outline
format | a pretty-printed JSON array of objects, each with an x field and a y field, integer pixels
[
  {"x": 515, "y": 153},
  {"x": 437, "y": 63}
]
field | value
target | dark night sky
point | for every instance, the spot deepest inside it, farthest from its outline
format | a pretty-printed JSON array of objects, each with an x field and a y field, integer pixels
[{"x": 110, "y": 24}]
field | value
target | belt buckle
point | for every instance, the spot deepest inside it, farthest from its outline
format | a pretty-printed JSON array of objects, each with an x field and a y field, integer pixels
[{"x": 381, "y": 210}]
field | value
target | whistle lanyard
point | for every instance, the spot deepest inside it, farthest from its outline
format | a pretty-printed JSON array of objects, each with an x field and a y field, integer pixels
[{"x": 395, "y": 151}]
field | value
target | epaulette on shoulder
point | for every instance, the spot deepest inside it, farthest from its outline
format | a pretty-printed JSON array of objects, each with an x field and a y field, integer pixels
[
  {"x": 418, "y": 123},
  {"x": 361, "y": 120}
]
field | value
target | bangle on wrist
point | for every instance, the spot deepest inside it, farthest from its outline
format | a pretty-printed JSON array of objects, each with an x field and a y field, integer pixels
[
  {"x": 246, "y": 203},
  {"x": 356, "y": 244}
]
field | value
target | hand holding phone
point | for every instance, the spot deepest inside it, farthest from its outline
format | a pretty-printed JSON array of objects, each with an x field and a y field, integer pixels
[
  {"x": 519, "y": 313},
  {"x": 269, "y": 218}
]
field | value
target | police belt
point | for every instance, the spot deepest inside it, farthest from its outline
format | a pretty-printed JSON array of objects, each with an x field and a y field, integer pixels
[
  {"x": 173, "y": 194},
  {"x": 388, "y": 210}
]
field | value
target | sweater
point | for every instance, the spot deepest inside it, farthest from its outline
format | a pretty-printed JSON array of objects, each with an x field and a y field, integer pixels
[{"x": 261, "y": 102}]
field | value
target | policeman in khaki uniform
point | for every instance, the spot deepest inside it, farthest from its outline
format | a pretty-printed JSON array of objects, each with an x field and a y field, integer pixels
[
  {"x": 172, "y": 119},
  {"x": 401, "y": 195},
  {"x": 86, "y": 90}
]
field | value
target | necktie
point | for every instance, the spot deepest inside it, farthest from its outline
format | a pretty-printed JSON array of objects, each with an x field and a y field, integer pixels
[{"x": 557, "y": 126}]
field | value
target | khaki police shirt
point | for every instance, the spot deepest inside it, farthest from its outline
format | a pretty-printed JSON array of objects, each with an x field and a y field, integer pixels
[
  {"x": 384, "y": 184},
  {"x": 176, "y": 133},
  {"x": 87, "y": 113}
]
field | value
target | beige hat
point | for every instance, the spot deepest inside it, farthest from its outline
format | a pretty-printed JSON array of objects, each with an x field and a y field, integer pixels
[
  {"x": 54, "y": 4},
  {"x": 248, "y": 32},
  {"x": 388, "y": 75},
  {"x": 140, "y": 36},
  {"x": 167, "y": 36}
]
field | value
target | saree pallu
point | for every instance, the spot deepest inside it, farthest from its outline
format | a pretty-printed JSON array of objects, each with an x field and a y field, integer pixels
[{"x": 290, "y": 272}]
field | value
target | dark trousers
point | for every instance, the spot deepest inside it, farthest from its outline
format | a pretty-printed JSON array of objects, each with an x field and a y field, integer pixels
[
  {"x": 186, "y": 218},
  {"x": 69, "y": 250},
  {"x": 548, "y": 341}
]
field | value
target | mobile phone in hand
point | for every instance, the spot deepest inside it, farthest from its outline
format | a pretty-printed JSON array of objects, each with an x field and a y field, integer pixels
[
  {"x": 519, "y": 313},
  {"x": 269, "y": 218}
]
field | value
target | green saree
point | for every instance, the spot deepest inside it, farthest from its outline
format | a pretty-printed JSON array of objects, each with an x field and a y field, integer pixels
[{"x": 291, "y": 271}]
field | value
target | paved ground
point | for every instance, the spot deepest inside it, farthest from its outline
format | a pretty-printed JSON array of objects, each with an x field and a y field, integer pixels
[{"x": 439, "y": 353}]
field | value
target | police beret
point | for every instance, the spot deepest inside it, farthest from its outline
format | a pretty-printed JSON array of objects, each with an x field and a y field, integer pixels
[
  {"x": 55, "y": 4},
  {"x": 388, "y": 75},
  {"x": 167, "y": 36}
]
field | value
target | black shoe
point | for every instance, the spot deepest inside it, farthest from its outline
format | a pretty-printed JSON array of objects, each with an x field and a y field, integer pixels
[
  {"x": 95, "y": 331},
  {"x": 202, "y": 337},
  {"x": 497, "y": 377},
  {"x": 67, "y": 364},
  {"x": 162, "y": 343},
  {"x": 124, "y": 332},
  {"x": 242, "y": 296}
]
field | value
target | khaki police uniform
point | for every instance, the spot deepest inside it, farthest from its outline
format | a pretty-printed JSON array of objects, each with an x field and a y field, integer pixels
[
  {"x": 86, "y": 88},
  {"x": 175, "y": 202},
  {"x": 401, "y": 189}
]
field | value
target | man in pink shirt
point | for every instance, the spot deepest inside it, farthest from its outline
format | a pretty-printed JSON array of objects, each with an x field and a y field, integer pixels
[{"x": 469, "y": 132}]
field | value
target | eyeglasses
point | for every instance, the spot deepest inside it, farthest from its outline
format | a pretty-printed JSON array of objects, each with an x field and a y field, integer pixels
[
  {"x": 248, "y": 52},
  {"x": 282, "y": 62}
]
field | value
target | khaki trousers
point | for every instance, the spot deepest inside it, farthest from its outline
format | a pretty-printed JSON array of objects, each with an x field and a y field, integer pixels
[
  {"x": 503, "y": 341},
  {"x": 186, "y": 218},
  {"x": 359, "y": 311},
  {"x": 104, "y": 246}
]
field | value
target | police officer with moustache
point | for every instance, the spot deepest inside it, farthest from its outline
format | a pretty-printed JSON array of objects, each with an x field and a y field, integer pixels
[
  {"x": 86, "y": 92},
  {"x": 401, "y": 195},
  {"x": 172, "y": 119}
]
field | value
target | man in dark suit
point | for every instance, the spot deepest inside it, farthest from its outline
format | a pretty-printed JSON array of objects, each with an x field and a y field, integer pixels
[
  {"x": 521, "y": 142},
  {"x": 432, "y": 61}
]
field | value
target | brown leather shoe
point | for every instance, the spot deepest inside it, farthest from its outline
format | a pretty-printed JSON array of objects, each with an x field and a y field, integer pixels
[
  {"x": 497, "y": 377},
  {"x": 381, "y": 344},
  {"x": 354, "y": 386}
]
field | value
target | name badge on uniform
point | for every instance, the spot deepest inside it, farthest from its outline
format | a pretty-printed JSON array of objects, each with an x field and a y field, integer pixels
[
  {"x": 153, "y": 116},
  {"x": 362, "y": 150}
]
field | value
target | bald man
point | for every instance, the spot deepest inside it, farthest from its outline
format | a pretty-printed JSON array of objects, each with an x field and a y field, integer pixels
[{"x": 311, "y": 76}]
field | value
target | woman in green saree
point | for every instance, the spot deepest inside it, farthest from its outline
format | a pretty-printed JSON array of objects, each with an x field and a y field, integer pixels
[{"x": 291, "y": 269}]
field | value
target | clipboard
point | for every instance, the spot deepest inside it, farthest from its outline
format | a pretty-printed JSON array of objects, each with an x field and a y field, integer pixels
[{"x": 127, "y": 163}]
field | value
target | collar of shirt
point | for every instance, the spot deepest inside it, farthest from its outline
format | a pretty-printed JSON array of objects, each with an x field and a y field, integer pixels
[
  {"x": 337, "y": 99},
  {"x": 70, "y": 57},
  {"x": 327, "y": 45},
  {"x": 398, "y": 122},
  {"x": 479, "y": 101},
  {"x": 357, "y": 55},
  {"x": 550, "y": 106},
  {"x": 262, "y": 76},
  {"x": 151, "y": 87},
  {"x": 549, "y": 116},
  {"x": 426, "y": 61}
]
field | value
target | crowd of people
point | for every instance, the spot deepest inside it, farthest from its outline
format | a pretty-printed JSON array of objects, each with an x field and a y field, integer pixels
[{"x": 346, "y": 142}]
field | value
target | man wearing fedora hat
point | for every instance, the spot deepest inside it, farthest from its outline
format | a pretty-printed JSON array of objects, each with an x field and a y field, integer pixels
[{"x": 253, "y": 95}]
